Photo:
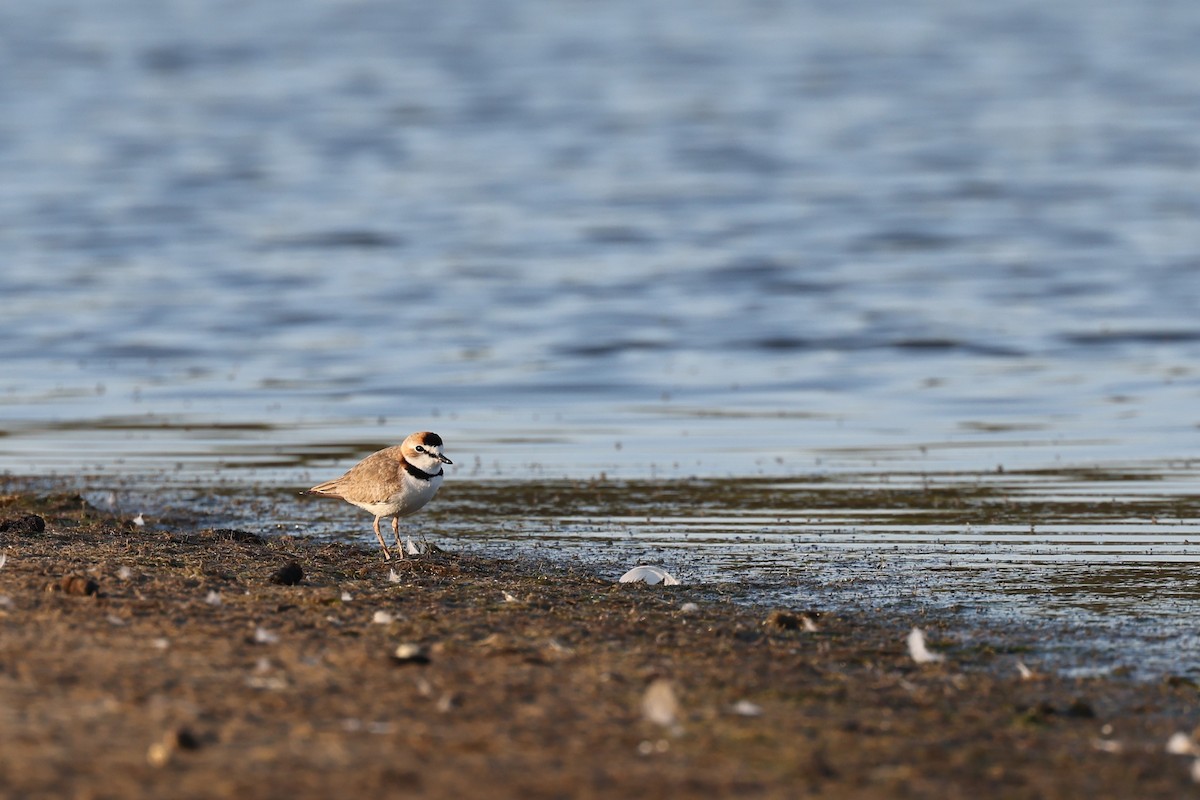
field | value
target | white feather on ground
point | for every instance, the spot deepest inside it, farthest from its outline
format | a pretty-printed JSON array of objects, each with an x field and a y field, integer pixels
[{"x": 919, "y": 652}]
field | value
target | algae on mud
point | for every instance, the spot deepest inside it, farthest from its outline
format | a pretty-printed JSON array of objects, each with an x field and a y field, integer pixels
[{"x": 190, "y": 673}]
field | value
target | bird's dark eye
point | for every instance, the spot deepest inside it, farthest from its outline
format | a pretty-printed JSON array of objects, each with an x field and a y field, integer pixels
[{"x": 419, "y": 449}]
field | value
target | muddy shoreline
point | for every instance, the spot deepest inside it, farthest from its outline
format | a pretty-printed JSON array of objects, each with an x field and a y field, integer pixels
[{"x": 194, "y": 662}]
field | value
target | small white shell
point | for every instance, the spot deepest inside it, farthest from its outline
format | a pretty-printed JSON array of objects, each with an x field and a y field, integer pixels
[
  {"x": 745, "y": 708},
  {"x": 649, "y": 575}
]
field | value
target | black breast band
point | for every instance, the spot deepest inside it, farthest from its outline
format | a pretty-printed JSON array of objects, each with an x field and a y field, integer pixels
[{"x": 418, "y": 473}]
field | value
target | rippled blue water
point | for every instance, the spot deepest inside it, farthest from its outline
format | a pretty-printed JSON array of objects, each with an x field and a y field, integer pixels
[{"x": 685, "y": 238}]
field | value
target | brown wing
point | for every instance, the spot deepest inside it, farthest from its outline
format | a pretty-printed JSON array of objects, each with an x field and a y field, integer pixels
[{"x": 372, "y": 480}]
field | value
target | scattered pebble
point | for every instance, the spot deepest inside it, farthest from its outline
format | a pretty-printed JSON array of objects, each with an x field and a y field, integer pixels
[
  {"x": 27, "y": 523},
  {"x": 509, "y": 597},
  {"x": 744, "y": 708},
  {"x": 186, "y": 740},
  {"x": 383, "y": 617},
  {"x": 158, "y": 754},
  {"x": 289, "y": 574},
  {"x": 161, "y": 643},
  {"x": 410, "y": 653},
  {"x": 161, "y": 752},
  {"x": 124, "y": 573},
  {"x": 264, "y": 636},
  {"x": 649, "y": 748},
  {"x": 393, "y": 576},
  {"x": 1080, "y": 709},
  {"x": 78, "y": 585},
  {"x": 649, "y": 575},
  {"x": 659, "y": 704},
  {"x": 919, "y": 652},
  {"x": 1180, "y": 744},
  {"x": 115, "y": 621},
  {"x": 347, "y": 597},
  {"x": 5, "y": 601},
  {"x": 139, "y": 520},
  {"x": 791, "y": 621},
  {"x": 1196, "y": 771},
  {"x": 267, "y": 683},
  {"x": 689, "y": 608},
  {"x": 1026, "y": 673},
  {"x": 213, "y": 598},
  {"x": 3, "y": 560}
]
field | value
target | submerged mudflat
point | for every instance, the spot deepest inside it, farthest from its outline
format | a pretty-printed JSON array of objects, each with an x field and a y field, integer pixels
[{"x": 139, "y": 662}]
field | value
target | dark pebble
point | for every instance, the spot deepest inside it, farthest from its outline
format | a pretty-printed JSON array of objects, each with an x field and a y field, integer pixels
[
  {"x": 29, "y": 523},
  {"x": 186, "y": 740},
  {"x": 787, "y": 620},
  {"x": 78, "y": 585},
  {"x": 289, "y": 574},
  {"x": 1081, "y": 709}
]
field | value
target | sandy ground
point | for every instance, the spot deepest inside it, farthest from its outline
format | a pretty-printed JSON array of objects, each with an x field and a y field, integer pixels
[{"x": 198, "y": 663}]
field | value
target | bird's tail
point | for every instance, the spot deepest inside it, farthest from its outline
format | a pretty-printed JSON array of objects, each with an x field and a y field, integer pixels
[{"x": 327, "y": 489}]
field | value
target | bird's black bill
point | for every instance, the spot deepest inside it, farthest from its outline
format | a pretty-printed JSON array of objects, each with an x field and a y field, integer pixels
[{"x": 443, "y": 459}]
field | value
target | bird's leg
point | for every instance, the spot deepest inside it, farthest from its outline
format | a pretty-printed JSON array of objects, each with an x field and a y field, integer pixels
[
  {"x": 396, "y": 535},
  {"x": 387, "y": 556}
]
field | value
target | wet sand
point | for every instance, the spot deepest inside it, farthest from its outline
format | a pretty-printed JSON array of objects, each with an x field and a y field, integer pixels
[{"x": 186, "y": 662}]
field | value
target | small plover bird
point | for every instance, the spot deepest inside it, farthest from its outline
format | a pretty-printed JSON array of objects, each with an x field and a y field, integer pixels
[{"x": 394, "y": 482}]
